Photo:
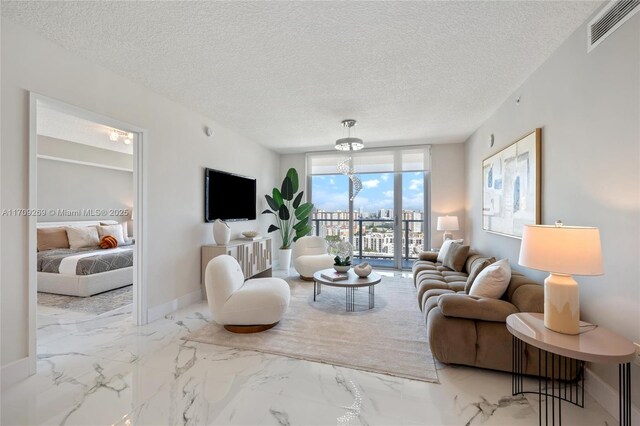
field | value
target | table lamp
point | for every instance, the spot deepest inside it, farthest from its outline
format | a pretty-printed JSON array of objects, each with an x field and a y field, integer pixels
[
  {"x": 446, "y": 224},
  {"x": 562, "y": 251}
]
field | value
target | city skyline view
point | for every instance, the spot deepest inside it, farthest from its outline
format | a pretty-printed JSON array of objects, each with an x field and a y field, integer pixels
[
  {"x": 331, "y": 192},
  {"x": 373, "y": 235}
]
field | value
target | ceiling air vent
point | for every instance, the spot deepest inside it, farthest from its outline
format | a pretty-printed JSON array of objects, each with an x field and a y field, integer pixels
[{"x": 610, "y": 19}]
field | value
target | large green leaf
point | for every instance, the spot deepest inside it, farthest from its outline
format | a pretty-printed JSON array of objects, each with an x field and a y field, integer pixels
[
  {"x": 296, "y": 202},
  {"x": 272, "y": 203},
  {"x": 277, "y": 197},
  {"x": 267, "y": 211},
  {"x": 303, "y": 210},
  {"x": 293, "y": 175},
  {"x": 301, "y": 224},
  {"x": 272, "y": 228},
  {"x": 287, "y": 189},
  {"x": 283, "y": 213},
  {"x": 304, "y": 231}
]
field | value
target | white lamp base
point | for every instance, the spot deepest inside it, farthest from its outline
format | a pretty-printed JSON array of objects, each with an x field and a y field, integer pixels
[
  {"x": 561, "y": 304},
  {"x": 447, "y": 236}
]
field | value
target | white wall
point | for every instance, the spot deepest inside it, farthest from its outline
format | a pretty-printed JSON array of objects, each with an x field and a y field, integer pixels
[
  {"x": 588, "y": 106},
  {"x": 71, "y": 186},
  {"x": 178, "y": 151},
  {"x": 447, "y": 188}
]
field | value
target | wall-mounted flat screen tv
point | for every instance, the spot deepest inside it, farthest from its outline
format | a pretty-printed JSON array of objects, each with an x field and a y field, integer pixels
[{"x": 228, "y": 196}]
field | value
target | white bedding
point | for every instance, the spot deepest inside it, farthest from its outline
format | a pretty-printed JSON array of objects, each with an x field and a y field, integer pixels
[{"x": 69, "y": 264}]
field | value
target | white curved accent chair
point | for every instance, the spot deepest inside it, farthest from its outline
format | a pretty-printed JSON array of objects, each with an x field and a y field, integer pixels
[
  {"x": 243, "y": 306},
  {"x": 310, "y": 256}
]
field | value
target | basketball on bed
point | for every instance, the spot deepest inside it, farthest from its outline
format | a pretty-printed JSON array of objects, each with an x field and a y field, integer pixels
[{"x": 108, "y": 242}]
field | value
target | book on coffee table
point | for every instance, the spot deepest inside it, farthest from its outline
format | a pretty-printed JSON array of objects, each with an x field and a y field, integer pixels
[{"x": 335, "y": 276}]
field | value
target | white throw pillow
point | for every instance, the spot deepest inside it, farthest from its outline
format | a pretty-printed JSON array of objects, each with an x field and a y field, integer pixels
[
  {"x": 116, "y": 231},
  {"x": 82, "y": 236},
  {"x": 492, "y": 281},
  {"x": 445, "y": 248}
]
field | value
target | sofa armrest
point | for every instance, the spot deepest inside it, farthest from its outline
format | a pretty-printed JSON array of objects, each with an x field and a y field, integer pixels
[
  {"x": 431, "y": 256},
  {"x": 475, "y": 308}
]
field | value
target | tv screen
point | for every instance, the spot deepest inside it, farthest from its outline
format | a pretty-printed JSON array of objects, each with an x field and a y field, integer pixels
[{"x": 228, "y": 196}]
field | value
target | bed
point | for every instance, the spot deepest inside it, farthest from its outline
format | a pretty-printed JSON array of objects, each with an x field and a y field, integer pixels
[{"x": 83, "y": 271}]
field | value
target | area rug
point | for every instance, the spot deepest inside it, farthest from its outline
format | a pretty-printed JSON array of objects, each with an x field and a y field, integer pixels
[
  {"x": 96, "y": 304},
  {"x": 389, "y": 339}
]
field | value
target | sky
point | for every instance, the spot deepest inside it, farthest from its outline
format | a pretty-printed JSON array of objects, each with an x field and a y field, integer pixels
[{"x": 331, "y": 192}]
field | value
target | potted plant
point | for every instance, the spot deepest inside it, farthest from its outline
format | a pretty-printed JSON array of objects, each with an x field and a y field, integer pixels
[
  {"x": 292, "y": 215},
  {"x": 342, "y": 264},
  {"x": 343, "y": 252}
]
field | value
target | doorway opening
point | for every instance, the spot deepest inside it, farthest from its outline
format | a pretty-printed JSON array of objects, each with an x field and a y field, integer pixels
[{"x": 86, "y": 230}]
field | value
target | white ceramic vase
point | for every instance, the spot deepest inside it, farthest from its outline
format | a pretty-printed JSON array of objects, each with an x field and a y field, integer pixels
[
  {"x": 284, "y": 259},
  {"x": 363, "y": 270},
  {"x": 221, "y": 233}
]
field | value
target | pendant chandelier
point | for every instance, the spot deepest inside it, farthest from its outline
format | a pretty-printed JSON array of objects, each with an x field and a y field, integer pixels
[{"x": 349, "y": 143}]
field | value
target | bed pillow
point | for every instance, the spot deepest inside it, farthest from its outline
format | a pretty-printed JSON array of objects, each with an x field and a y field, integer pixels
[
  {"x": 492, "y": 281},
  {"x": 108, "y": 242},
  {"x": 82, "y": 236},
  {"x": 52, "y": 238},
  {"x": 445, "y": 248},
  {"x": 114, "y": 231},
  {"x": 456, "y": 257}
]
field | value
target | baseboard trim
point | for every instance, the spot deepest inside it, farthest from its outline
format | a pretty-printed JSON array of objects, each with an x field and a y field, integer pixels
[
  {"x": 14, "y": 372},
  {"x": 607, "y": 396},
  {"x": 160, "y": 311}
]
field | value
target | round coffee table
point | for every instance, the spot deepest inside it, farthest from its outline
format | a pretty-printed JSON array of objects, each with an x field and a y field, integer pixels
[{"x": 350, "y": 285}]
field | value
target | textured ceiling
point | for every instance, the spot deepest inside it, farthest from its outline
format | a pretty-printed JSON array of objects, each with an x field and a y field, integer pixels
[
  {"x": 286, "y": 73},
  {"x": 60, "y": 125}
]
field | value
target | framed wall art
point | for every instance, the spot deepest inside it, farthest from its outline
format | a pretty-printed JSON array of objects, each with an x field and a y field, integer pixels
[{"x": 511, "y": 187}]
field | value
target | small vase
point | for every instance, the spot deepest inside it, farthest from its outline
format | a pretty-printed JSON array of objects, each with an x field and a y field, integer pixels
[
  {"x": 284, "y": 259},
  {"x": 363, "y": 270},
  {"x": 221, "y": 233},
  {"x": 341, "y": 268}
]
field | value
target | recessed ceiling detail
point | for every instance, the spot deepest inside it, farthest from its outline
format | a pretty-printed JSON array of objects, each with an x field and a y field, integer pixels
[{"x": 283, "y": 73}]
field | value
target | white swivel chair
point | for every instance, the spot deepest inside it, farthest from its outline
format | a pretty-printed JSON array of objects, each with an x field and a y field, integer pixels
[
  {"x": 310, "y": 256},
  {"x": 243, "y": 306}
]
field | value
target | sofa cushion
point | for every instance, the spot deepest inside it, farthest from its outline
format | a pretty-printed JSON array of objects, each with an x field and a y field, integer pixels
[
  {"x": 431, "y": 256},
  {"x": 456, "y": 256},
  {"x": 445, "y": 248},
  {"x": 477, "y": 268},
  {"x": 492, "y": 281},
  {"x": 476, "y": 308}
]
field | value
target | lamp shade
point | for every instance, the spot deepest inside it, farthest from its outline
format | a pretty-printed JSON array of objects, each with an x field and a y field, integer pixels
[
  {"x": 447, "y": 223},
  {"x": 571, "y": 250}
]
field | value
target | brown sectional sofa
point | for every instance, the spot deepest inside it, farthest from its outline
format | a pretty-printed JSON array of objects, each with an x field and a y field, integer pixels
[{"x": 469, "y": 330}]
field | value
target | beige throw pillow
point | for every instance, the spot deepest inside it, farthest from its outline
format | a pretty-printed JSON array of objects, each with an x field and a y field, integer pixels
[
  {"x": 475, "y": 271},
  {"x": 492, "y": 281},
  {"x": 445, "y": 248},
  {"x": 456, "y": 256},
  {"x": 52, "y": 238},
  {"x": 116, "y": 231},
  {"x": 82, "y": 236}
]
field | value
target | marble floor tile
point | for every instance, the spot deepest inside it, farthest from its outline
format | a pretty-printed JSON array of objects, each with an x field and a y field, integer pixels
[{"x": 103, "y": 371}]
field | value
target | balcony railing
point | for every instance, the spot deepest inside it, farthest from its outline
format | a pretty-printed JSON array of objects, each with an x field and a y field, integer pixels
[{"x": 385, "y": 260}]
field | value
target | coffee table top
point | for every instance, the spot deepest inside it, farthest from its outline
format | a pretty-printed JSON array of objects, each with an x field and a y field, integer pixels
[
  {"x": 593, "y": 345},
  {"x": 353, "y": 280}
]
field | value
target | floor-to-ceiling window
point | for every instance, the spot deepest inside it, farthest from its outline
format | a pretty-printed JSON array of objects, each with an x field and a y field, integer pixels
[{"x": 386, "y": 221}]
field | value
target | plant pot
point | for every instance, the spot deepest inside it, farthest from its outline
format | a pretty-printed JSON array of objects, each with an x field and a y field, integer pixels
[
  {"x": 221, "y": 233},
  {"x": 363, "y": 270},
  {"x": 284, "y": 259},
  {"x": 339, "y": 268}
]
